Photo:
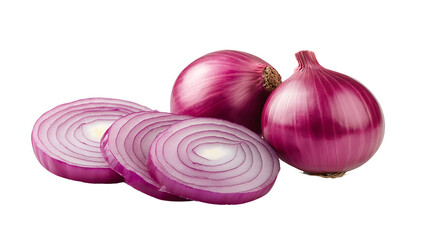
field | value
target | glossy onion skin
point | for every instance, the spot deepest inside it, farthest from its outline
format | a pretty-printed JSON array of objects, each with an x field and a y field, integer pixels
[
  {"x": 224, "y": 84},
  {"x": 243, "y": 176},
  {"x": 321, "y": 121},
  {"x": 125, "y": 147},
  {"x": 60, "y": 151}
]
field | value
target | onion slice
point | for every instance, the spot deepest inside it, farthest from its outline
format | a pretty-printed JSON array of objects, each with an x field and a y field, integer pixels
[
  {"x": 125, "y": 147},
  {"x": 66, "y": 139},
  {"x": 213, "y": 161}
]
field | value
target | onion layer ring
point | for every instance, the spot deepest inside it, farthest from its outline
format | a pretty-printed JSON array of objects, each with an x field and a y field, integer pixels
[
  {"x": 213, "y": 161},
  {"x": 66, "y": 138},
  {"x": 125, "y": 147}
]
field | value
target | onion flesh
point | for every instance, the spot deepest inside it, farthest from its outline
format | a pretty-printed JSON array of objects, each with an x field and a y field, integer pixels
[
  {"x": 125, "y": 147},
  {"x": 230, "y": 85},
  {"x": 213, "y": 161},
  {"x": 322, "y": 122},
  {"x": 66, "y": 138}
]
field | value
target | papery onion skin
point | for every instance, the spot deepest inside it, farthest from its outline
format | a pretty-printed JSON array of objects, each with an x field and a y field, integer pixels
[
  {"x": 89, "y": 169},
  {"x": 322, "y": 122},
  {"x": 124, "y": 147},
  {"x": 175, "y": 165},
  {"x": 230, "y": 85}
]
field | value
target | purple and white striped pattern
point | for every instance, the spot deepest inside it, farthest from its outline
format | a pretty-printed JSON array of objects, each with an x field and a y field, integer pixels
[
  {"x": 321, "y": 121},
  {"x": 63, "y": 146},
  {"x": 245, "y": 172},
  {"x": 125, "y": 147}
]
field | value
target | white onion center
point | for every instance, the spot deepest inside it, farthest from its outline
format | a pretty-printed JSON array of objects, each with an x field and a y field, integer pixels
[
  {"x": 216, "y": 151},
  {"x": 96, "y": 129}
]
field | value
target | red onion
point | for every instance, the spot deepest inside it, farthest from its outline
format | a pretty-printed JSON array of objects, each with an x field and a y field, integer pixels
[
  {"x": 66, "y": 138},
  {"x": 125, "y": 147},
  {"x": 227, "y": 84},
  {"x": 213, "y": 161},
  {"x": 321, "y": 121}
]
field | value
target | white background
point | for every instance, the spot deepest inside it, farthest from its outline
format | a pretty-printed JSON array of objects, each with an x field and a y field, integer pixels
[{"x": 52, "y": 52}]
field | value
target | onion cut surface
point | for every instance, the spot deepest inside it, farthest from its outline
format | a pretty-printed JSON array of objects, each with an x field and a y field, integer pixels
[
  {"x": 125, "y": 147},
  {"x": 66, "y": 139},
  {"x": 213, "y": 161}
]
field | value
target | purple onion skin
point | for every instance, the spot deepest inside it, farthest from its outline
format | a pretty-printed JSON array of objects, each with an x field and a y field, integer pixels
[
  {"x": 322, "y": 122},
  {"x": 225, "y": 84},
  {"x": 206, "y": 196},
  {"x": 77, "y": 173}
]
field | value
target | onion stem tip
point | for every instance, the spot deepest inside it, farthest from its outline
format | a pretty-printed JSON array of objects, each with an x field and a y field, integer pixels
[{"x": 271, "y": 79}]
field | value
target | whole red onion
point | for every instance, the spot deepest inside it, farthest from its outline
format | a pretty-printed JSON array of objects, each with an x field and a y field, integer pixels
[
  {"x": 226, "y": 84},
  {"x": 321, "y": 121}
]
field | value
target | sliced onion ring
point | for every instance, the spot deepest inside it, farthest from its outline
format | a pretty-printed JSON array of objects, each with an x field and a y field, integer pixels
[
  {"x": 213, "y": 161},
  {"x": 66, "y": 138},
  {"x": 125, "y": 147}
]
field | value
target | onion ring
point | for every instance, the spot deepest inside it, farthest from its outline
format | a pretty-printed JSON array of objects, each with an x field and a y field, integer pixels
[
  {"x": 125, "y": 147},
  {"x": 213, "y": 161},
  {"x": 66, "y": 138}
]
